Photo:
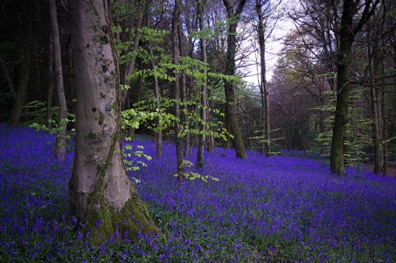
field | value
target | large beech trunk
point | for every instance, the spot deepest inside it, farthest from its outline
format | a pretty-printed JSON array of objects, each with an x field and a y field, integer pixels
[{"x": 102, "y": 195}]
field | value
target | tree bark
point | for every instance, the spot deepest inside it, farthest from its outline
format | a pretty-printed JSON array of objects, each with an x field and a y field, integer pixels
[
  {"x": 157, "y": 94},
  {"x": 204, "y": 91},
  {"x": 346, "y": 38},
  {"x": 232, "y": 117},
  {"x": 176, "y": 54},
  {"x": 376, "y": 104},
  {"x": 60, "y": 145},
  {"x": 186, "y": 123},
  {"x": 102, "y": 195},
  {"x": 21, "y": 92},
  {"x": 266, "y": 143},
  {"x": 51, "y": 86},
  {"x": 130, "y": 66}
]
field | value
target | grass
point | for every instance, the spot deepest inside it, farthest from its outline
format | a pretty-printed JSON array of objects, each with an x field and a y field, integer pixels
[{"x": 278, "y": 209}]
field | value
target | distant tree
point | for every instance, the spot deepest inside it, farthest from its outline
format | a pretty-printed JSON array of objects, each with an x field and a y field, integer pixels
[
  {"x": 234, "y": 11},
  {"x": 184, "y": 51},
  {"x": 264, "y": 10},
  {"x": 103, "y": 198},
  {"x": 354, "y": 16},
  {"x": 60, "y": 145},
  {"x": 379, "y": 79},
  {"x": 176, "y": 54},
  {"x": 26, "y": 19},
  {"x": 157, "y": 95},
  {"x": 204, "y": 87}
]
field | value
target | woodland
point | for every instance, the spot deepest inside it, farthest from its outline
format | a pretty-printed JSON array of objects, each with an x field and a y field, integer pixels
[{"x": 131, "y": 131}]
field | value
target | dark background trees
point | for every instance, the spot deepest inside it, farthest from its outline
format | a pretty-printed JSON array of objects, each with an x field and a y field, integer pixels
[{"x": 302, "y": 92}]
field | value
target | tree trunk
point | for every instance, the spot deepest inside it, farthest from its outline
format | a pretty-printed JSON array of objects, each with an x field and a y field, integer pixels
[
  {"x": 176, "y": 54},
  {"x": 19, "y": 95},
  {"x": 377, "y": 100},
  {"x": 51, "y": 86},
  {"x": 60, "y": 145},
  {"x": 157, "y": 94},
  {"x": 130, "y": 66},
  {"x": 102, "y": 195},
  {"x": 232, "y": 117},
  {"x": 346, "y": 38},
  {"x": 204, "y": 91},
  {"x": 266, "y": 144},
  {"x": 186, "y": 123},
  {"x": 376, "y": 104},
  {"x": 337, "y": 161}
]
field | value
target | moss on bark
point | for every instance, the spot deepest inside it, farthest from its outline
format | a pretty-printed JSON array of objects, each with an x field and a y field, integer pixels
[{"x": 104, "y": 223}]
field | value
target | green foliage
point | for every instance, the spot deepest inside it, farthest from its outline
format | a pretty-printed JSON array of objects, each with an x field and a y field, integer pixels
[
  {"x": 144, "y": 113},
  {"x": 358, "y": 130},
  {"x": 190, "y": 175},
  {"x": 132, "y": 159},
  {"x": 37, "y": 112}
]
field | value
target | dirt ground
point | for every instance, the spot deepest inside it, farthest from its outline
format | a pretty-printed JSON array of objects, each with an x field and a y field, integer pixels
[{"x": 391, "y": 170}]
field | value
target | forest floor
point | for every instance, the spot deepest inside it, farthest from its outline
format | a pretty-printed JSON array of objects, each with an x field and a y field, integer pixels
[{"x": 391, "y": 170}]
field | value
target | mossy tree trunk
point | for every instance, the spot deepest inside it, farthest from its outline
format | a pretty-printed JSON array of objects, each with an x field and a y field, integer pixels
[
  {"x": 232, "y": 118},
  {"x": 348, "y": 30},
  {"x": 102, "y": 195}
]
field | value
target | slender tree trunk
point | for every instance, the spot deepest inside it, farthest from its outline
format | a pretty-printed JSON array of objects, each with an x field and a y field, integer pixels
[
  {"x": 337, "y": 161},
  {"x": 376, "y": 104},
  {"x": 21, "y": 92},
  {"x": 186, "y": 123},
  {"x": 157, "y": 94},
  {"x": 70, "y": 81},
  {"x": 266, "y": 143},
  {"x": 204, "y": 90},
  {"x": 377, "y": 100},
  {"x": 51, "y": 87},
  {"x": 232, "y": 117},
  {"x": 102, "y": 196},
  {"x": 60, "y": 145},
  {"x": 346, "y": 39},
  {"x": 209, "y": 138},
  {"x": 176, "y": 54},
  {"x": 130, "y": 66},
  {"x": 8, "y": 80}
]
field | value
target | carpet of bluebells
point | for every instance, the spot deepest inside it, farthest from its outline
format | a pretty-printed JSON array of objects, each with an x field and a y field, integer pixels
[{"x": 278, "y": 209}]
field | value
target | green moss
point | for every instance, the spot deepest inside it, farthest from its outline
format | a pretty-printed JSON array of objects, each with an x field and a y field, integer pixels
[
  {"x": 104, "y": 40},
  {"x": 102, "y": 221},
  {"x": 91, "y": 136},
  {"x": 101, "y": 118}
]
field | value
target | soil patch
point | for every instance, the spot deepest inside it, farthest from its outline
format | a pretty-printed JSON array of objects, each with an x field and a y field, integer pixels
[{"x": 391, "y": 170}]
